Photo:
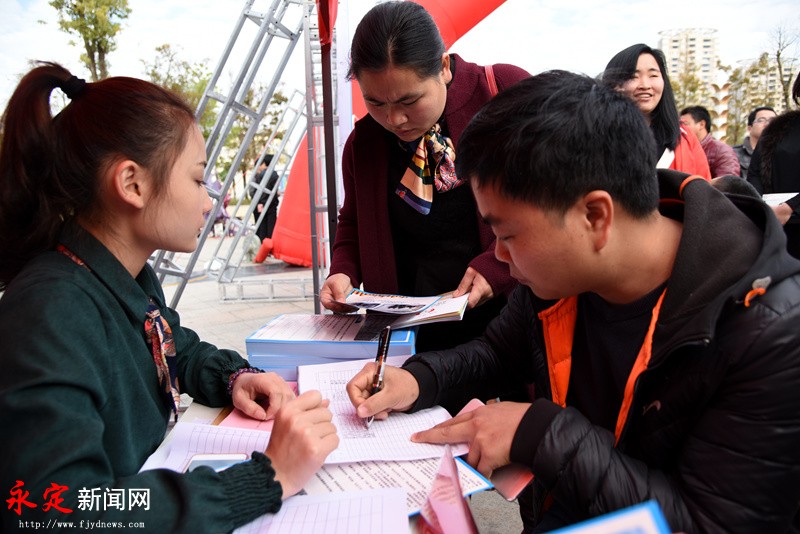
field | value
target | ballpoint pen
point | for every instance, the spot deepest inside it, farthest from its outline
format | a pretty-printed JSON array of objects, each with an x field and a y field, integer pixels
[{"x": 380, "y": 360}]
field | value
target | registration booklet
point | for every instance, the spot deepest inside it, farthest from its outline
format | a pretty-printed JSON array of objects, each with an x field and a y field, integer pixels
[{"x": 402, "y": 311}]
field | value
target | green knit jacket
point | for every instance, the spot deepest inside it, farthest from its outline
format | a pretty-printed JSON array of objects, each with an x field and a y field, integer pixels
[{"x": 80, "y": 404}]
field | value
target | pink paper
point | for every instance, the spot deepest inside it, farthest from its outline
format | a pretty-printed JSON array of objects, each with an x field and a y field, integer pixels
[
  {"x": 238, "y": 419},
  {"x": 446, "y": 511}
]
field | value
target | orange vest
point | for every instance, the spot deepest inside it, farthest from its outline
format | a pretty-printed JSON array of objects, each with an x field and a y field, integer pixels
[{"x": 558, "y": 325}]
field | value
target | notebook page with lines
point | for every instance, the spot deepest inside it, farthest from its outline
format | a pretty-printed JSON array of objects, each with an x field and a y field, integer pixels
[
  {"x": 388, "y": 439},
  {"x": 188, "y": 439},
  {"x": 380, "y": 511}
]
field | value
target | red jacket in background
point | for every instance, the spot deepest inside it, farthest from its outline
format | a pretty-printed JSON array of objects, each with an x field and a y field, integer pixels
[
  {"x": 722, "y": 159},
  {"x": 690, "y": 157}
]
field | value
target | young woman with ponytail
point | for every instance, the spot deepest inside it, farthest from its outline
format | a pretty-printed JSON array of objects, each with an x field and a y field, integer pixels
[{"x": 93, "y": 361}]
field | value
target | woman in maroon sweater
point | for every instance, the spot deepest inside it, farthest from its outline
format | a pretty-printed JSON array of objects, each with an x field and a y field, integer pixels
[{"x": 408, "y": 225}]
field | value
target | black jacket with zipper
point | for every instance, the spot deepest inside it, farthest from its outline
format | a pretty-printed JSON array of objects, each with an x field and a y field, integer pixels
[{"x": 713, "y": 432}]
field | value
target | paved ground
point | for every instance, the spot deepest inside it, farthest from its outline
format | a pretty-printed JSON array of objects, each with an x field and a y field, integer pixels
[{"x": 214, "y": 312}]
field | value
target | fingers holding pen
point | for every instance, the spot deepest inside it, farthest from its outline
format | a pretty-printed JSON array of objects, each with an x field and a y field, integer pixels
[{"x": 400, "y": 391}]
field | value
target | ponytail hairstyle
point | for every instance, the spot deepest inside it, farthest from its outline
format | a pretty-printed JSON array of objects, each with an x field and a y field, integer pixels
[
  {"x": 50, "y": 167},
  {"x": 399, "y": 34},
  {"x": 664, "y": 119}
]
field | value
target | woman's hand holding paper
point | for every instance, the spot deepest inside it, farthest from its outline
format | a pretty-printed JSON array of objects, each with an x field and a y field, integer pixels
[
  {"x": 261, "y": 395},
  {"x": 334, "y": 291},
  {"x": 476, "y": 285}
]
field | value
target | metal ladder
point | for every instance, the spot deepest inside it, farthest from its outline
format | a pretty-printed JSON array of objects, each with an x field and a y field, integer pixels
[
  {"x": 225, "y": 263},
  {"x": 281, "y": 24},
  {"x": 322, "y": 138},
  {"x": 322, "y": 178},
  {"x": 322, "y": 186}
]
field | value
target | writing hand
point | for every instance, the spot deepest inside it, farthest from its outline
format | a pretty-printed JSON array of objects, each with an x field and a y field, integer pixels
[
  {"x": 302, "y": 437},
  {"x": 334, "y": 291},
  {"x": 489, "y": 431},
  {"x": 476, "y": 285},
  {"x": 260, "y": 395},
  {"x": 400, "y": 391}
]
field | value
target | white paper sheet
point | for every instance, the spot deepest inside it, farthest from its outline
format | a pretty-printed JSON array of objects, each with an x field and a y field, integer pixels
[
  {"x": 773, "y": 199},
  {"x": 388, "y": 439},
  {"x": 415, "y": 476},
  {"x": 360, "y": 512},
  {"x": 188, "y": 439}
]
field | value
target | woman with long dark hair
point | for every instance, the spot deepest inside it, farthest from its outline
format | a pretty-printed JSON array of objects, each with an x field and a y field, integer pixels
[{"x": 641, "y": 73}]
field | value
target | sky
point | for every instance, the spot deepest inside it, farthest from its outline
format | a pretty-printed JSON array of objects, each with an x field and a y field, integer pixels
[{"x": 537, "y": 35}]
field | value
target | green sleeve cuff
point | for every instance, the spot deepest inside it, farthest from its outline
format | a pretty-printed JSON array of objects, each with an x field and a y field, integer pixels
[
  {"x": 251, "y": 489},
  {"x": 230, "y": 368}
]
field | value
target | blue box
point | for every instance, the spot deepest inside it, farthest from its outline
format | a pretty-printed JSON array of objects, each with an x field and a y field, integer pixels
[{"x": 306, "y": 339}]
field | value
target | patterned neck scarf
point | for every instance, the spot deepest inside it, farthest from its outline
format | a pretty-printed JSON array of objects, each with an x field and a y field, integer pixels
[
  {"x": 162, "y": 345},
  {"x": 433, "y": 163}
]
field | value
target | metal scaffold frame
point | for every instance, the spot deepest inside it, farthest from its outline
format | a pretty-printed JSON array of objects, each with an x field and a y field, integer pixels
[
  {"x": 322, "y": 176},
  {"x": 321, "y": 136},
  {"x": 281, "y": 24}
]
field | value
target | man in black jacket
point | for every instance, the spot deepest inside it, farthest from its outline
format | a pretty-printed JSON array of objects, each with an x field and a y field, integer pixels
[{"x": 653, "y": 341}]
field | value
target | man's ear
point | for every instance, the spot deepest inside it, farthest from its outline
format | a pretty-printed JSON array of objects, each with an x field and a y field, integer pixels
[
  {"x": 599, "y": 210},
  {"x": 128, "y": 183}
]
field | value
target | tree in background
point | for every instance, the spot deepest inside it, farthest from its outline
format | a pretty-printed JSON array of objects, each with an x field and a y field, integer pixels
[
  {"x": 689, "y": 89},
  {"x": 765, "y": 81},
  {"x": 186, "y": 79},
  {"x": 748, "y": 88},
  {"x": 783, "y": 42},
  {"x": 97, "y": 23},
  {"x": 168, "y": 70}
]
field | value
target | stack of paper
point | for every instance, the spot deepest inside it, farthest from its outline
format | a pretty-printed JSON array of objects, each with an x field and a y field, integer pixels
[{"x": 306, "y": 339}]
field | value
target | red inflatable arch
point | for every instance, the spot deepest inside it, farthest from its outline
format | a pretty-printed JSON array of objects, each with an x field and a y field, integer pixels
[{"x": 291, "y": 239}]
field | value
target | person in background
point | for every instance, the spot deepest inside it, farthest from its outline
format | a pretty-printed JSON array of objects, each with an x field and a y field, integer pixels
[
  {"x": 93, "y": 360},
  {"x": 757, "y": 120},
  {"x": 640, "y": 72},
  {"x": 408, "y": 225},
  {"x": 721, "y": 158},
  {"x": 660, "y": 347},
  {"x": 775, "y": 168},
  {"x": 267, "y": 226}
]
